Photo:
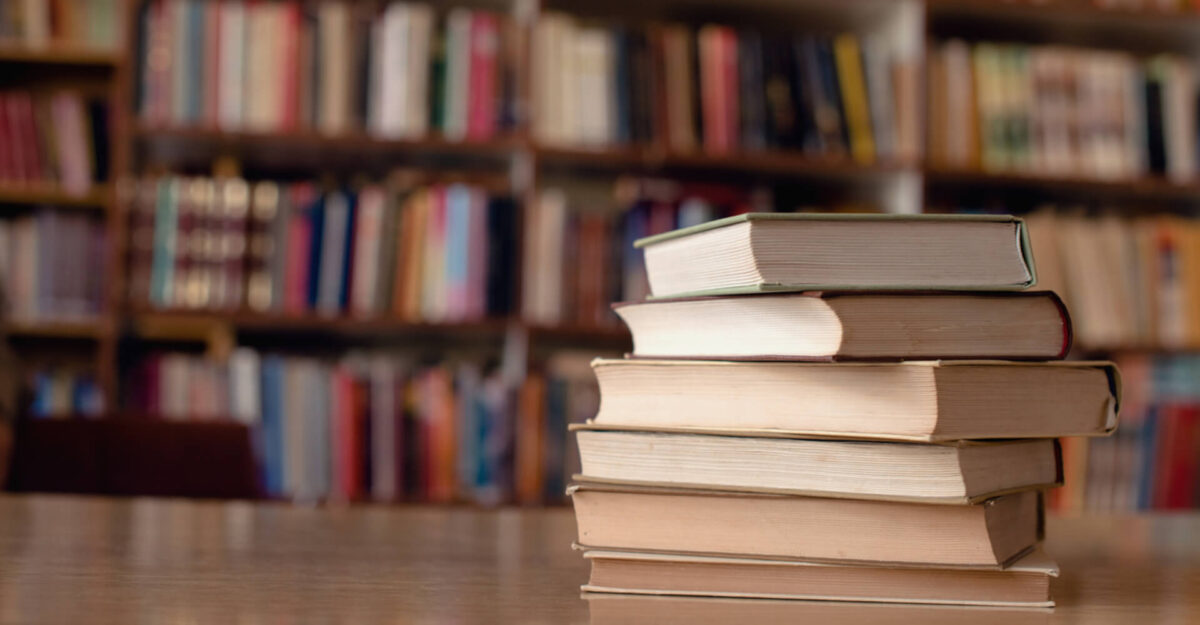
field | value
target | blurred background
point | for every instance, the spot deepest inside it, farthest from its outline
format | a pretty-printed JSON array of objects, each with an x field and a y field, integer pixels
[{"x": 339, "y": 251}]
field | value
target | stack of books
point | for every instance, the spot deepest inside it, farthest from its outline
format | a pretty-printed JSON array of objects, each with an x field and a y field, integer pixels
[{"x": 843, "y": 407}]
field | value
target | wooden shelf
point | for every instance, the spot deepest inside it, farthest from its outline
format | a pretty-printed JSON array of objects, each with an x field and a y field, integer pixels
[
  {"x": 77, "y": 57},
  {"x": 615, "y": 334},
  {"x": 183, "y": 325},
  {"x": 1147, "y": 187},
  {"x": 74, "y": 329},
  {"x": 1066, "y": 22},
  {"x": 1059, "y": 9},
  {"x": 773, "y": 163},
  {"x": 634, "y": 159},
  {"x": 188, "y": 325},
  {"x": 312, "y": 141},
  {"x": 99, "y": 197}
]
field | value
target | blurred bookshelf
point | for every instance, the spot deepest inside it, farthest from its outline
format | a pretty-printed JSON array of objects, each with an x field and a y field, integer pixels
[{"x": 550, "y": 135}]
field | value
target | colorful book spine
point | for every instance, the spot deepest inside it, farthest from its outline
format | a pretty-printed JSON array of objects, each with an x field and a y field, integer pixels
[{"x": 416, "y": 252}]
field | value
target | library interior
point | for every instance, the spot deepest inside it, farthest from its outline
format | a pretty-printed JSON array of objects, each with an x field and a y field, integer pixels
[{"x": 307, "y": 308}]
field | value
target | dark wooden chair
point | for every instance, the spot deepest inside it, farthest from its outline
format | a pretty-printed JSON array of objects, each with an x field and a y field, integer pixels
[{"x": 134, "y": 456}]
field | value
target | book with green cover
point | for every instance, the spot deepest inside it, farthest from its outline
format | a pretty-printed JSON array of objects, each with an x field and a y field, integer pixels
[{"x": 765, "y": 252}]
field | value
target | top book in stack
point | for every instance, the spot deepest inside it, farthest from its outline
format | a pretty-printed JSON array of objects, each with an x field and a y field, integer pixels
[{"x": 764, "y": 252}]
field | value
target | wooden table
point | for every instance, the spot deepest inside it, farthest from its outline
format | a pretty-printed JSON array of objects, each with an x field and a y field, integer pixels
[{"x": 92, "y": 560}]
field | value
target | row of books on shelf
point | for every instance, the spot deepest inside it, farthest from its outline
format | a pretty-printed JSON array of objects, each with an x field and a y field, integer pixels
[
  {"x": 400, "y": 71},
  {"x": 61, "y": 391},
  {"x": 579, "y": 253},
  {"x": 722, "y": 90},
  {"x": 51, "y": 265},
  {"x": 73, "y": 24},
  {"x": 53, "y": 138},
  {"x": 402, "y": 248},
  {"x": 1153, "y": 461},
  {"x": 381, "y": 427},
  {"x": 1054, "y": 110},
  {"x": 1130, "y": 283}
]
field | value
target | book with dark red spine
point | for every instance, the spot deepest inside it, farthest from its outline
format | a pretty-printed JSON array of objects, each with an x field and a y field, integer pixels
[
  {"x": 711, "y": 105},
  {"x": 360, "y": 406},
  {"x": 1179, "y": 493},
  {"x": 731, "y": 112},
  {"x": 7, "y": 168},
  {"x": 342, "y": 434},
  {"x": 481, "y": 91},
  {"x": 16, "y": 150},
  {"x": 141, "y": 242},
  {"x": 289, "y": 42},
  {"x": 30, "y": 149},
  {"x": 211, "y": 49}
]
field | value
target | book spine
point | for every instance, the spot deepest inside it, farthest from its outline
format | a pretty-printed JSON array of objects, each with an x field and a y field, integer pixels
[
  {"x": 458, "y": 59},
  {"x": 854, "y": 97},
  {"x": 485, "y": 45},
  {"x": 261, "y": 247}
]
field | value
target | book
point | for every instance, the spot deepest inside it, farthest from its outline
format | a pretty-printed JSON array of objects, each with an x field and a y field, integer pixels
[
  {"x": 1025, "y": 583},
  {"x": 760, "y": 252},
  {"x": 930, "y": 401},
  {"x": 993, "y": 534},
  {"x": 854, "y": 97},
  {"x": 613, "y": 609},
  {"x": 953, "y": 473},
  {"x": 851, "y": 326}
]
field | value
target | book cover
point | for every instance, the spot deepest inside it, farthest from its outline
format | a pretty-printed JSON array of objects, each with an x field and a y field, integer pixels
[{"x": 1022, "y": 233}]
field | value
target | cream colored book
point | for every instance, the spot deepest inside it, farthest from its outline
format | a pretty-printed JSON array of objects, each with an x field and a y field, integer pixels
[
  {"x": 759, "y": 252},
  {"x": 851, "y": 326},
  {"x": 921, "y": 400},
  {"x": 992, "y": 534},
  {"x": 952, "y": 473},
  {"x": 1025, "y": 583}
]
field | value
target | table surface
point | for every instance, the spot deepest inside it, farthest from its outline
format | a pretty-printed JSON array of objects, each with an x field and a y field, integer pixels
[{"x": 95, "y": 560}]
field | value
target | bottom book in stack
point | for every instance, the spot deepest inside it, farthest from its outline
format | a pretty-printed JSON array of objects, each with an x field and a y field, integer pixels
[{"x": 666, "y": 513}]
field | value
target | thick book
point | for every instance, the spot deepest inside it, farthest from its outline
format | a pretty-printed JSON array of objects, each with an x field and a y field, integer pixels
[
  {"x": 761, "y": 252},
  {"x": 852, "y": 326},
  {"x": 1025, "y": 583},
  {"x": 992, "y": 534},
  {"x": 917, "y": 400},
  {"x": 952, "y": 473}
]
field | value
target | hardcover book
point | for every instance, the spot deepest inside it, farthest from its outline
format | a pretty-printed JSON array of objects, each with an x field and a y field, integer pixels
[
  {"x": 851, "y": 326},
  {"x": 760, "y": 252}
]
